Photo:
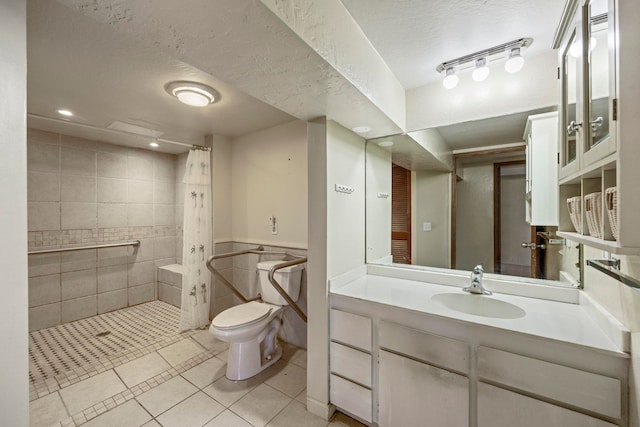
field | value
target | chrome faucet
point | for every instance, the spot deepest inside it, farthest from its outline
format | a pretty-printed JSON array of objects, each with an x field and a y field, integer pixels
[{"x": 476, "y": 282}]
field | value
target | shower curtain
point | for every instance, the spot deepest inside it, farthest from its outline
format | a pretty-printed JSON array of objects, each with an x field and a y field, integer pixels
[{"x": 197, "y": 242}]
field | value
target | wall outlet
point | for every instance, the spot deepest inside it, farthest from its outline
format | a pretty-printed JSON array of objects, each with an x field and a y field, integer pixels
[
  {"x": 426, "y": 226},
  {"x": 344, "y": 189},
  {"x": 383, "y": 195}
]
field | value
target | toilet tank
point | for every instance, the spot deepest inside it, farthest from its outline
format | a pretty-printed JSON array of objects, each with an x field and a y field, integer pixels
[{"x": 289, "y": 279}]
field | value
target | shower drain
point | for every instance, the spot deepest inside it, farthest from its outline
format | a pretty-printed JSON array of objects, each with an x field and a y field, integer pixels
[{"x": 103, "y": 334}]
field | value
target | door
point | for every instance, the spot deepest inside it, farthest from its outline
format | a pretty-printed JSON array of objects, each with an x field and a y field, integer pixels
[
  {"x": 401, "y": 215},
  {"x": 510, "y": 226}
]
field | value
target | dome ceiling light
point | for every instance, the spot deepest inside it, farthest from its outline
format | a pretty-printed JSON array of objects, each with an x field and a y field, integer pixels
[
  {"x": 192, "y": 93},
  {"x": 479, "y": 61}
]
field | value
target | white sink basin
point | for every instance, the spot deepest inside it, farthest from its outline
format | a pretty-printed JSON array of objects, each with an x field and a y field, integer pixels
[{"x": 479, "y": 305}]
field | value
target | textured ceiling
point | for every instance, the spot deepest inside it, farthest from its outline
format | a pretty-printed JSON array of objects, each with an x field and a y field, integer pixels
[
  {"x": 414, "y": 36},
  {"x": 103, "y": 75}
]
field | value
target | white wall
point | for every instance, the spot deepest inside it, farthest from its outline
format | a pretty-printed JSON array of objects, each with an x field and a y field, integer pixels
[
  {"x": 345, "y": 212},
  {"x": 336, "y": 237},
  {"x": 535, "y": 86},
  {"x": 14, "y": 393},
  {"x": 378, "y": 210},
  {"x": 432, "y": 204},
  {"x": 221, "y": 161},
  {"x": 269, "y": 178}
]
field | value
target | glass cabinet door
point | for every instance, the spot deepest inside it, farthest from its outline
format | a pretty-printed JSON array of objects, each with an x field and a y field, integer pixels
[
  {"x": 598, "y": 143},
  {"x": 571, "y": 118}
]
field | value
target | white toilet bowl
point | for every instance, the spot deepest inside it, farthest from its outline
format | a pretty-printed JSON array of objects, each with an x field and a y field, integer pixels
[{"x": 251, "y": 328}]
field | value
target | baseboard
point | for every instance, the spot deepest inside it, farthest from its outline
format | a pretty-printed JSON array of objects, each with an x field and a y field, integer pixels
[{"x": 321, "y": 409}]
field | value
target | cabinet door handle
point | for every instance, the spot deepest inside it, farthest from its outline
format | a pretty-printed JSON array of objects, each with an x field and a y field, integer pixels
[
  {"x": 596, "y": 124},
  {"x": 573, "y": 127}
]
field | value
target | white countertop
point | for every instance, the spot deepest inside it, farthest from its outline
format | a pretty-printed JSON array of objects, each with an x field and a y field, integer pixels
[{"x": 561, "y": 321}]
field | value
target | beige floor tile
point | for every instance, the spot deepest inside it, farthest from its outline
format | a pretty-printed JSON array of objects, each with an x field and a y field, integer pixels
[
  {"x": 128, "y": 414},
  {"x": 260, "y": 405},
  {"x": 229, "y": 392},
  {"x": 223, "y": 356},
  {"x": 341, "y": 420},
  {"x": 87, "y": 393},
  {"x": 302, "y": 397},
  {"x": 290, "y": 379},
  {"x": 211, "y": 343},
  {"x": 47, "y": 410},
  {"x": 181, "y": 351},
  {"x": 205, "y": 373},
  {"x": 160, "y": 398},
  {"x": 296, "y": 415},
  {"x": 152, "y": 423},
  {"x": 195, "y": 411},
  {"x": 142, "y": 369},
  {"x": 227, "y": 419},
  {"x": 295, "y": 355}
]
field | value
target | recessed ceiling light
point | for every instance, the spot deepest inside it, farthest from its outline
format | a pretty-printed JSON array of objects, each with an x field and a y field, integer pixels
[
  {"x": 192, "y": 93},
  {"x": 154, "y": 144},
  {"x": 361, "y": 129},
  {"x": 386, "y": 143},
  {"x": 65, "y": 113}
]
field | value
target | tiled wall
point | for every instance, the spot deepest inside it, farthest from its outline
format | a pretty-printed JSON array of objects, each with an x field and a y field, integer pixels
[{"x": 86, "y": 192}]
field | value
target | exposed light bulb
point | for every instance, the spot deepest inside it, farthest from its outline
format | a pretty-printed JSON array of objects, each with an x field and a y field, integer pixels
[
  {"x": 451, "y": 79},
  {"x": 154, "y": 144},
  {"x": 481, "y": 72},
  {"x": 66, "y": 113},
  {"x": 515, "y": 61}
]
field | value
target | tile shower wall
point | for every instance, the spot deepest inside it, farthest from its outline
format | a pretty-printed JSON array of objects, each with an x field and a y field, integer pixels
[{"x": 85, "y": 192}]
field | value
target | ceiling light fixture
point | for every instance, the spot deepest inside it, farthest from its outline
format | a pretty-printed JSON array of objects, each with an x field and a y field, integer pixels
[
  {"x": 192, "y": 93},
  {"x": 515, "y": 61},
  {"x": 361, "y": 129},
  {"x": 66, "y": 113},
  {"x": 478, "y": 61},
  {"x": 386, "y": 143},
  {"x": 481, "y": 72},
  {"x": 451, "y": 79},
  {"x": 154, "y": 144}
]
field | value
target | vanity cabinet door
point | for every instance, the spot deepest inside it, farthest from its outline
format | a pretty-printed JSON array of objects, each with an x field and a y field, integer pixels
[
  {"x": 416, "y": 394},
  {"x": 502, "y": 408}
]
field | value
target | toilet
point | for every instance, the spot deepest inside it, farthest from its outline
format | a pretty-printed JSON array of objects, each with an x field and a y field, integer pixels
[{"x": 251, "y": 328}]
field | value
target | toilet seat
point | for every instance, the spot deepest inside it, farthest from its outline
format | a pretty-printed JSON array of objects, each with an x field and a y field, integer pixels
[{"x": 242, "y": 315}]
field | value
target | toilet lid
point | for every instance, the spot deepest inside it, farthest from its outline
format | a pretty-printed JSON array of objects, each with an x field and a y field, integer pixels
[{"x": 242, "y": 314}]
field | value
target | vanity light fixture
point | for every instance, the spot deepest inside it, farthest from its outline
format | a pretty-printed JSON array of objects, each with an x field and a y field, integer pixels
[
  {"x": 192, "y": 93},
  {"x": 481, "y": 72},
  {"x": 65, "y": 113},
  {"x": 479, "y": 61},
  {"x": 451, "y": 79},
  {"x": 515, "y": 61}
]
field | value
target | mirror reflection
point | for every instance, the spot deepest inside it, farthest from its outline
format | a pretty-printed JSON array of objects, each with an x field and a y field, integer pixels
[{"x": 456, "y": 196}]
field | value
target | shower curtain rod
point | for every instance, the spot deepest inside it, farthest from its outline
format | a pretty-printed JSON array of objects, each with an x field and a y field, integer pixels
[{"x": 120, "y": 132}]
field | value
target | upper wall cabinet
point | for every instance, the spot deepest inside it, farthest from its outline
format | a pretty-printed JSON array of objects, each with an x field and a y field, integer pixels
[{"x": 599, "y": 158}]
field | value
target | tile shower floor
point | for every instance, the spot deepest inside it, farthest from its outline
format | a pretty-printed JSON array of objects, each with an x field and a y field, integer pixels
[{"x": 131, "y": 368}]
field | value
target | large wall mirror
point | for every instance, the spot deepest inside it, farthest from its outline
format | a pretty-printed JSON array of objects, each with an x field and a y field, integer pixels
[{"x": 454, "y": 197}]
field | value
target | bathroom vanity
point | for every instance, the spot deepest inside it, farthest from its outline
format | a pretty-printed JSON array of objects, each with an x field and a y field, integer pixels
[{"x": 409, "y": 348}]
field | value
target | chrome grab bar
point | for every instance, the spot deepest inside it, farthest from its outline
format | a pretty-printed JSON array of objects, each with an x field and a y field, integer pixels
[
  {"x": 260, "y": 251},
  {"x": 80, "y": 248}
]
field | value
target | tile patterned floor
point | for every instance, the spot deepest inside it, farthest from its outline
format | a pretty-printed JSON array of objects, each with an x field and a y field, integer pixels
[{"x": 160, "y": 379}]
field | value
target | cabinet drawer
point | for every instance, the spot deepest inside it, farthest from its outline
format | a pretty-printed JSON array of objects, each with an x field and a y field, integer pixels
[
  {"x": 351, "y": 397},
  {"x": 560, "y": 383},
  {"x": 434, "y": 349},
  {"x": 502, "y": 408},
  {"x": 350, "y": 329},
  {"x": 352, "y": 364}
]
